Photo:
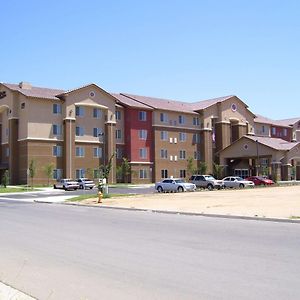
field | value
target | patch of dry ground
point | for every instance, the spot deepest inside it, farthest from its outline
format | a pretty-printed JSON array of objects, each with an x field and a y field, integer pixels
[{"x": 269, "y": 202}]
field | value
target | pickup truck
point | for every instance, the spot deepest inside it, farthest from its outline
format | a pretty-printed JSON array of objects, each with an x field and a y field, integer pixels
[{"x": 66, "y": 184}]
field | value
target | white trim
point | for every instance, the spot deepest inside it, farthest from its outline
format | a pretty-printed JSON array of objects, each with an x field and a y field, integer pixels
[
  {"x": 69, "y": 119},
  {"x": 91, "y": 105},
  {"x": 110, "y": 122},
  {"x": 88, "y": 142},
  {"x": 141, "y": 162},
  {"x": 275, "y": 162},
  {"x": 5, "y": 143},
  {"x": 177, "y": 127},
  {"x": 222, "y": 122},
  {"x": 206, "y": 129},
  {"x": 40, "y": 139},
  {"x": 13, "y": 118}
]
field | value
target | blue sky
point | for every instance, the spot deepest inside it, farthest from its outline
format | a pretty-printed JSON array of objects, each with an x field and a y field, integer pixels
[{"x": 185, "y": 50}]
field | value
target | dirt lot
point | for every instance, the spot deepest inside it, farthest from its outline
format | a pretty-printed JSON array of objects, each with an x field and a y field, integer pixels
[{"x": 270, "y": 202}]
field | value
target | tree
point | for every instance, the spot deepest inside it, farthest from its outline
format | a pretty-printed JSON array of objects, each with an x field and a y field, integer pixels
[
  {"x": 32, "y": 170},
  {"x": 5, "y": 178},
  {"x": 190, "y": 167},
  {"x": 48, "y": 169},
  {"x": 218, "y": 171},
  {"x": 89, "y": 173},
  {"x": 126, "y": 169},
  {"x": 202, "y": 167},
  {"x": 107, "y": 168}
]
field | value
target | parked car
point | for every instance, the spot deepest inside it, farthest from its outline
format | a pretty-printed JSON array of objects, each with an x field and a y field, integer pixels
[
  {"x": 174, "y": 185},
  {"x": 85, "y": 183},
  {"x": 260, "y": 180},
  {"x": 206, "y": 181},
  {"x": 237, "y": 182},
  {"x": 66, "y": 184}
]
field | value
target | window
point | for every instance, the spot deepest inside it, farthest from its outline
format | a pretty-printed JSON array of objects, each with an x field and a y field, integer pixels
[
  {"x": 182, "y": 173},
  {"x": 79, "y": 131},
  {"x": 96, "y": 132},
  {"x": 57, "y": 108},
  {"x": 118, "y": 134},
  {"x": 182, "y": 154},
  {"x": 197, "y": 155},
  {"x": 181, "y": 119},
  {"x": 56, "y": 129},
  {"x": 118, "y": 115},
  {"x": 143, "y": 174},
  {"x": 274, "y": 130},
  {"x": 57, "y": 151},
  {"x": 182, "y": 136},
  {"x": 263, "y": 129},
  {"x": 142, "y": 116},
  {"x": 80, "y": 151},
  {"x": 284, "y": 132},
  {"x": 57, "y": 173},
  {"x": 119, "y": 153},
  {"x": 196, "y": 138},
  {"x": 143, "y": 153},
  {"x": 97, "y": 113},
  {"x": 7, "y": 152},
  {"x": 97, "y": 152},
  {"x": 164, "y": 173},
  {"x": 96, "y": 173},
  {"x": 7, "y": 131},
  {"x": 142, "y": 134},
  {"x": 163, "y": 153},
  {"x": 80, "y": 173},
  {"x": 163, "y": 117},
  {"x": 23, "y": 105},
  {"x": 196, "y": 121},
  {"x": 79, "y": 111},
  {"x": 164, "y": 135}
]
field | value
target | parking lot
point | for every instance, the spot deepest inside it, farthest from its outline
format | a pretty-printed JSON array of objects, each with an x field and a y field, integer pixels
[{"x": 269, "y": 202}]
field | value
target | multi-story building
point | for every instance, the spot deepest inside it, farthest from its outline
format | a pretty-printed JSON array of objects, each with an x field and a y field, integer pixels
[{"x": 78, "y": 130}]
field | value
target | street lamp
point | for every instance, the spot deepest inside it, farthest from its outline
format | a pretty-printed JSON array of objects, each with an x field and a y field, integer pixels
[
  {"x": 257, "y": 158},
  {"x": 101, "y": 136}
]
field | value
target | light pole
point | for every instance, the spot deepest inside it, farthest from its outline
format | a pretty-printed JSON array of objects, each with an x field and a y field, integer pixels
[
  {"x": 101, "y": 135},
  {"x": 257, "y": 158}
]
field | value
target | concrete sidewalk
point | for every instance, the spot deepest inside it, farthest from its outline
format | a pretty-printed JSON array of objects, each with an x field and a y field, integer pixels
[
  {"x": 265, "y": 202},
  {"x": 9, "y": 293}
]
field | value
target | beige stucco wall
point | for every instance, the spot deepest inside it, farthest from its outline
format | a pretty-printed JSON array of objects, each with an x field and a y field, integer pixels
[
  {"x": 259, "y": 129},
  {"x": 82, "y": 96},
  {"x": 173, "y": 119}
]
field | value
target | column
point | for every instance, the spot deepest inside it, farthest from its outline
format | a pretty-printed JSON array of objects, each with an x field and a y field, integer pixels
[
  {"x": 69, "y": 148},
  {"x": 276, "y": 171},
  {"x": 14, "y": 167},
  {"x": 298, "y": 172},
  {"x": 286, "y": 172},
  {"x": 206, "y": 149},
  {"x": 223, "y": 133}
]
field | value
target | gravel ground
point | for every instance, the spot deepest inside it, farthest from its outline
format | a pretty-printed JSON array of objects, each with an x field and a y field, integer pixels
[{"x": 269, "y": 202}]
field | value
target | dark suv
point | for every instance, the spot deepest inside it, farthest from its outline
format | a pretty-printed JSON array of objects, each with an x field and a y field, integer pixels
[{"x": 206, "y": 181}]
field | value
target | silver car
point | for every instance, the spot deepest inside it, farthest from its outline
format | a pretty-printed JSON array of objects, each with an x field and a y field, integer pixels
[
  {"x": 174, "y": 185},
  {"x": 237, "y": 182},
  {"x": 85, "y": 183}
]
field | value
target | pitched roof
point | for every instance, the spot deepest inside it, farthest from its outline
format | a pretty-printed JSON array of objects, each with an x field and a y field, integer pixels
[
  {"x": 164, "y": 104},
  {"x": 262, "y": 119},
  {"x": 275, "y": 143},
  {"x": 288, "y": 122},
  {"x": 130, "y": 102},
  {"x": 206, "y": 103},
  {"x": 36, "y": 92}
]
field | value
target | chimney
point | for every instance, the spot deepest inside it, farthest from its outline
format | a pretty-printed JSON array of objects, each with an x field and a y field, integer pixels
[{"x": 25, "y": 85}]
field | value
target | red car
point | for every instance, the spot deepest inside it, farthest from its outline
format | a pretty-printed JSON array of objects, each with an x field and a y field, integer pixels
[{"x": 260, "y": 180}]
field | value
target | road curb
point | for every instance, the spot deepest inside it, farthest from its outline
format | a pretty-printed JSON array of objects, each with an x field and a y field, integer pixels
[
  {"x": 8, "y": 292},
  {"x": 170, "y": 212}
]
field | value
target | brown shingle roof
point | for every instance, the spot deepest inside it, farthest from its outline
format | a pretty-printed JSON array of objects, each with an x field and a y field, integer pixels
[
  {"x": 288, "y": 122},
  {"x": 164, "y": 104},
  {"x": 130, "y": 102},
  {"x": 206, "y": 103},
  {"x": 36, "y": 92},
  {"x": 275, "y": 143},
  {"x": 283, "y": 123}
]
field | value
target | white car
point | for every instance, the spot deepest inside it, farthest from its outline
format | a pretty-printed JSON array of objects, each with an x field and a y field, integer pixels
[
  {"x": 66, "y": 184},
  {"x": 85, "y": 183},
  {"x": 174, "y": 185},
  {"x": 237, "y": 182}
]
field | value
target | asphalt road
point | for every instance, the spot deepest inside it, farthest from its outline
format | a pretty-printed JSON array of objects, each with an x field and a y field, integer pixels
[{"x": 69, "y": 252}]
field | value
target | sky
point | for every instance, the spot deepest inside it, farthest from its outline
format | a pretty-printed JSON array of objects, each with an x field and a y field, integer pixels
[{"x": 183, "y": 50}]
